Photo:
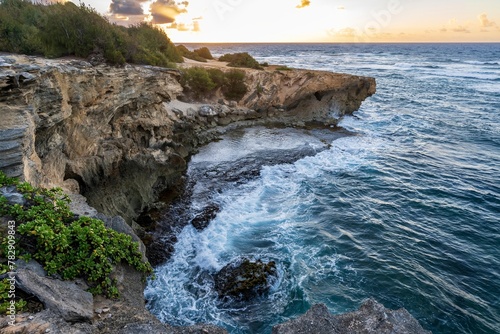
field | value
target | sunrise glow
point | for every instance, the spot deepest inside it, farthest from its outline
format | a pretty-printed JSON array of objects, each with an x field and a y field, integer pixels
[{"x": 313, "y": 21}]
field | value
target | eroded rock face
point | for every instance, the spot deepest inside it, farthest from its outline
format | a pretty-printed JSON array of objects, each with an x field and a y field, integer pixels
[
  {"x": 63, "y": 298},
  {"x": 118, "y": 132},
  {"x": 371, "y": 318},
  {"x": 245, "y": 280}
]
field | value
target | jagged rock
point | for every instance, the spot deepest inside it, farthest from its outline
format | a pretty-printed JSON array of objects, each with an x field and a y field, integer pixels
[
  {"x": 12, "y": 195},
  {"x": 200, "y": 329},
  {"x": 201, "y": 221},
  {"x": 43, "y": 322},
  {"x": 206, "y": 111},
  {"x": 103, "y": 126},
  {"x": 245, "y": 280},
  {"x": 63, "y": 298},
  {"x": 80, "y": 207},
  {"x": 371, "y": 318}
]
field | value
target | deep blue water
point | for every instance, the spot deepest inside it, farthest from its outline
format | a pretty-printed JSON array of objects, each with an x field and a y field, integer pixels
[{"x": 406, "y": 211}]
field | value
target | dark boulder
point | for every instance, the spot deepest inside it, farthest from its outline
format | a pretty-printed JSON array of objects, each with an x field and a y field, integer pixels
[
  {"x": 371, "y": 318},
  {"x": 202, "y": 220},
  {"x": 245, "y": 279}
]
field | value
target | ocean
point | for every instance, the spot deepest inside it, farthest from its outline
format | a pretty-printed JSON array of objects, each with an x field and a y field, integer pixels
[{"x": 401, "y": 204}]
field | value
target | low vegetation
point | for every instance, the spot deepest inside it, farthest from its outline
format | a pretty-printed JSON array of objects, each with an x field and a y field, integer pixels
[
  {"x": 201, "y": 54},
  {"x": 56, "y": 30},
  {"x": 242, "y": 59},
  {"x": 283, "y": 68},
  {"x": 202, "y": 82},
  {"x": 204, "y": 52},
  {"x": 66, "y": 245}
]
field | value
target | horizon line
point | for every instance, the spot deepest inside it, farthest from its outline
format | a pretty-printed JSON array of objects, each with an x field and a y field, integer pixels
[{"x": 411, "y": 42}]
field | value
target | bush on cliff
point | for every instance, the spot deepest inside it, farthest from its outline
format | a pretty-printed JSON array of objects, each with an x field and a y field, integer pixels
[
  {"x": 201, "y": 82},
  {"x": 204, "y": 52},
  {"x": 235, "y": 87},
  {"x": 66, "y": 245},
  {"x": 241, "y": 60},
  {"x": 185, "y": 52},
  {"x": 56, "y": 30}
]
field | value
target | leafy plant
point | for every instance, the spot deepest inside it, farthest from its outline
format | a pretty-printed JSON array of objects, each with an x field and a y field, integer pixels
[
  {"x": 204, "y": 52},
  {"x": 201, "y": 81},
  {"x": 241, "y": 60},
  {"x": 68, "y": 246},
  {"x": 235, "y": 87},
  {"x": 185, "y": 52},
  {"x": 198, "y": 80}
]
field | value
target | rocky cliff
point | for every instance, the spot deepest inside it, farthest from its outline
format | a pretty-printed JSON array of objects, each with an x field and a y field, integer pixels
[{"x": 120, "y": 136}]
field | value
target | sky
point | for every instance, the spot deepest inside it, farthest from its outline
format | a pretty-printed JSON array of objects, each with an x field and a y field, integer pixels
[{"x": 312, "y": 20}]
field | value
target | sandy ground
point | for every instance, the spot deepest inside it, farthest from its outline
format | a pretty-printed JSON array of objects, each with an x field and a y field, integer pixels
[{"x": 210, "y": 63}]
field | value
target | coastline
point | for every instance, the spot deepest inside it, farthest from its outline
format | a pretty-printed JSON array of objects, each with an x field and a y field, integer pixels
[{"x": 46, "y": 158}]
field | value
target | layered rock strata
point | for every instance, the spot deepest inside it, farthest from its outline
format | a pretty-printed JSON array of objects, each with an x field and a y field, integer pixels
[{"x": 122, "y": 134}]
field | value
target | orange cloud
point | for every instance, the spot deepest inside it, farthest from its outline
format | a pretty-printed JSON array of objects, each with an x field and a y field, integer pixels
[
  {"x": 304, "y": 3},
  {"x": 485, "y": 22}
]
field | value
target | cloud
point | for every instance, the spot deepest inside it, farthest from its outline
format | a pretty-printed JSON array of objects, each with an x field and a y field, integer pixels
[
  {"x": 165, "y": 11},
  {"x": 304, "y": 3},
  {"x": 347, "y": 32},
  {"x": 126, "y": 7},
  {"x": 461, "y": 29},
  {"x": 485, "y": 22},
  {"x": 194, "y": 26}
]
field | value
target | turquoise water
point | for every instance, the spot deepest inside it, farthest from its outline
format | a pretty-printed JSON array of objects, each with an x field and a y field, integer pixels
[{"x": 405, "y": 210}]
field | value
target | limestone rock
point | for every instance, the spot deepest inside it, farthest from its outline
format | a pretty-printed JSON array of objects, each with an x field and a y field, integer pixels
[
  {"x": 63, "y": 298},
  {"x": 43, "y": 322},
  {"x": 118, "y": 132},
  {"x": 370, "y": 318}
]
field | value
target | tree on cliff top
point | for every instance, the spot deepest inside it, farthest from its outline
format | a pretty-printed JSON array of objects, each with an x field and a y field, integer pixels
[{"x": 57, "y": 30}]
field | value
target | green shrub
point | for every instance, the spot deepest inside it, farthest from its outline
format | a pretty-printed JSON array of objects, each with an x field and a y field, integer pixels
[
  {"x": 204, "y": 52},
  {"x": 185, "y": 52},
  {"x": 283, "y": 68},
  {"x": 197, "y": 80},
  {"x": 67, "y": 246},
  {"x": 56, "y": 30},
  {"x": 217, "y": 76},
  {"x": 201, "y": 81},
  {"x": 241, "y": 60},
  {"x": 235, "y": 87},
  {"x": 20, "y": 304}
]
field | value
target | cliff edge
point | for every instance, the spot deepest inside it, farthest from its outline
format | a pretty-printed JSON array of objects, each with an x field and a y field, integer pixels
[{"x": 119, "y": 135}]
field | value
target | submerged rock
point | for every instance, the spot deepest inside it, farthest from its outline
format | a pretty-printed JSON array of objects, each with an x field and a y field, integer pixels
[
  {"x": 371, "y": 318},
  {"x": 245, "y": 280}
]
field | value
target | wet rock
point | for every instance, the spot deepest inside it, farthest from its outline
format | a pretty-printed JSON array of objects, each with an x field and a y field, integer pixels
[
  {"x": 203, "y": 219},
  {"x": 245, "y": 280},
  {"x": 371, "y": 318}
]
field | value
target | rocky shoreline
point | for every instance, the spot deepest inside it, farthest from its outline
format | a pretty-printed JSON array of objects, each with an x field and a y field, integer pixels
[{"x": 120, "y": 137}]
